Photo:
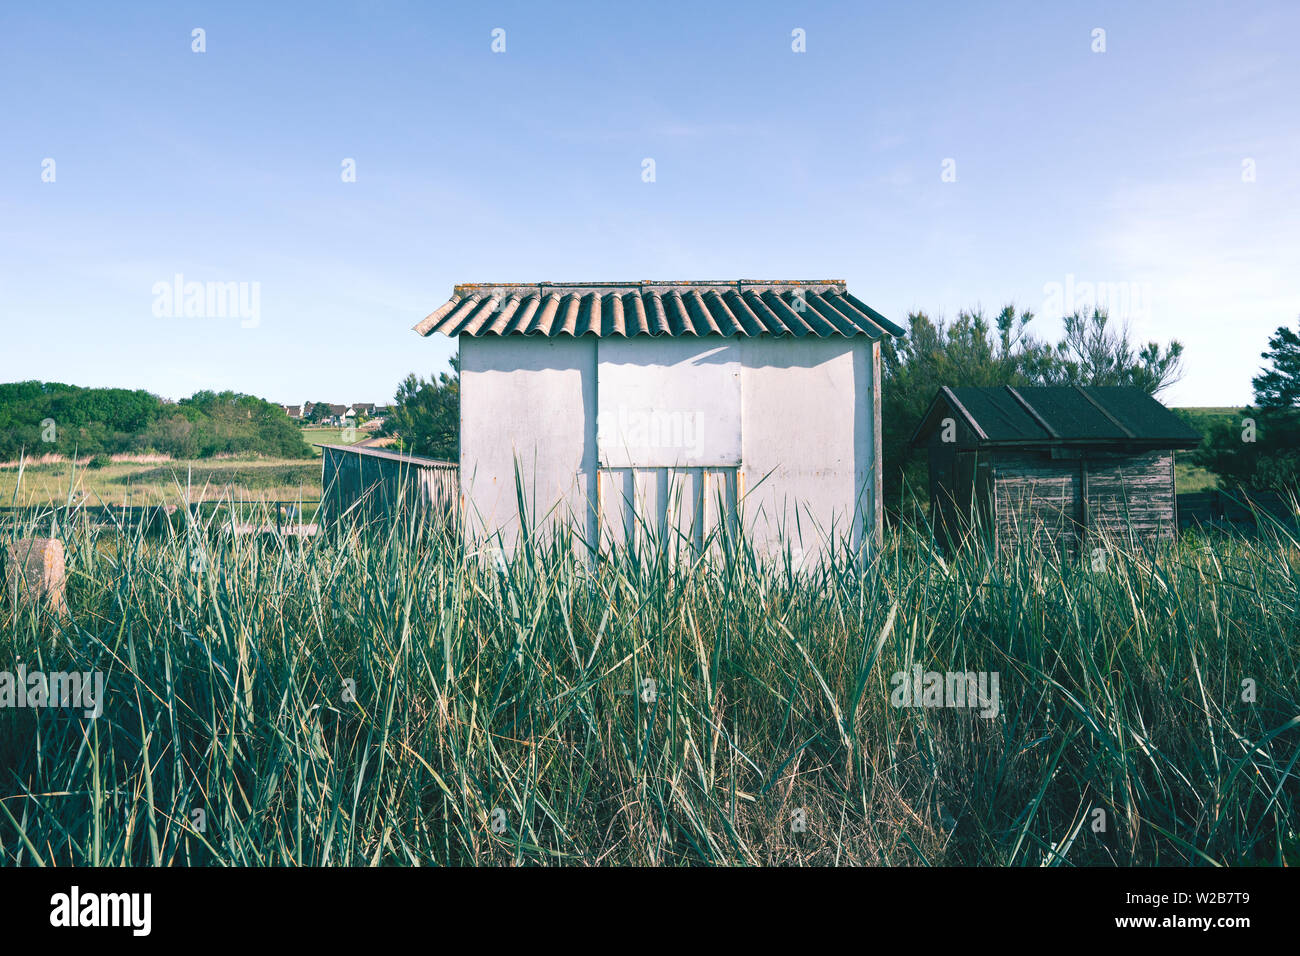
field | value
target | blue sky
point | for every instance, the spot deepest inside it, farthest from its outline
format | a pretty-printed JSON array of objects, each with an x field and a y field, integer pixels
[{"x": 1122, "y": 168}]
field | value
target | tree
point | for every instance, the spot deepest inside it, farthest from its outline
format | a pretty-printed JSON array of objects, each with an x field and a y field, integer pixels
[
  {"x": 1094, "y": 352},
  {"x": 230, "y": 422},
  {"x": 1279, "y": 386},
  {"x": 969, "y": 351},
  {"x": 425, "y": 417},
  {"x": 1264, "y": 450},
  {"x": 319, "y": 412},
  {"x": 49, "y": 417}
]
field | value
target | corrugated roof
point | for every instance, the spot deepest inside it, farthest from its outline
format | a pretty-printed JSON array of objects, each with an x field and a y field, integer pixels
[
  {"x": 1045, "y": 415},
  {"x": 417, "y": 460},
  {"x": 742, "y": 307}
]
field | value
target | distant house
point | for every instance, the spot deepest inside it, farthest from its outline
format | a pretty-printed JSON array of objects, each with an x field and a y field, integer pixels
[
  {"x": 1061, "y": 466},
  {"x": 295, "y": 412},
  {"x": 338, "y": 414},
  {"x": 371, "y": 410},
  {"x": 373, "y": 414},
  {"x": 332, "y": 414}
]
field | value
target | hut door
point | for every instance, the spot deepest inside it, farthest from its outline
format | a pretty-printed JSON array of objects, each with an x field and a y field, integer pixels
[
  {"x": 668, "y": 440},
  {"x": 668, "y": 403},
  {"x": 678, "y": 509}
]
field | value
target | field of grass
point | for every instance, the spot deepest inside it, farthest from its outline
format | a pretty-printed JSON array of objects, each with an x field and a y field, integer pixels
[
  {"x": 165, "y": 482},
  {"x": 319, "y": 435},
  {"x": 1202, "y": 415},
  {"x": 1190, "y": 478},
  {"x": 388, "y": 698},
  {"x": 155, "y": 481}
]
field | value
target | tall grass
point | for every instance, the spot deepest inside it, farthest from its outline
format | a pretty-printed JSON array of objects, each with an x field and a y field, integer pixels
[{"x": 503, "y": 713}]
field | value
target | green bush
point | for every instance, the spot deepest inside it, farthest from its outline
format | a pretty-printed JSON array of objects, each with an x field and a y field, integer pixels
[{"x": 49, "y": 417}]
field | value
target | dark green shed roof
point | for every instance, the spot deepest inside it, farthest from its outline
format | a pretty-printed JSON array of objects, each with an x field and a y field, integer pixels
[{"x": 1059, "y": 415}]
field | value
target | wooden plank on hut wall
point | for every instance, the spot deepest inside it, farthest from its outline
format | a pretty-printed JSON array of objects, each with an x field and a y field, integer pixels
[
  {"x": 943, "y": 491},
  {"x": 1173, "y": 488},
  {"x": 616, "y": 505},
  {"x": 877, "y": 447},
  {"x": 994, "y": 509},
  {"x": 1085, "y": 513},
  {"x": 1134, "y": 495},
  {"x": 1036, "y": 502}
]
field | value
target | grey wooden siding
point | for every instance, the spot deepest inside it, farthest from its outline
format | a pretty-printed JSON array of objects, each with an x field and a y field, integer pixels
[
  {"x": 947, "y": 497},
  {"x": 1134, "y": 493},
  {"x": 1036, "y": 498},
  {"x": 1060, "y": 503}
]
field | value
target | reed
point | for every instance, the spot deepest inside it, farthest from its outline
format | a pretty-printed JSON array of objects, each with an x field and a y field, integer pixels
[{"x": 386, "y": 696}]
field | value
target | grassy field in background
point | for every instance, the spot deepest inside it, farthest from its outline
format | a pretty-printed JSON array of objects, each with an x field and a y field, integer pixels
[
  {"x": 1193, "y": 478},
  {"x": 151, "y": 483},
  {"x": 387, "y": 698},
  {"x": 1211, "y": 412},
  {"x": 288, "y": 479},
  {"x": 315, "y": 434},
  {"x": 140, "y": 483},
  {"x": 155, "y": 482},
  {"x": 1204, "y": 417}
]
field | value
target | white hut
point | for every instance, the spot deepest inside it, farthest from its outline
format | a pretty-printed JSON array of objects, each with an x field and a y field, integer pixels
[{"x": 665, "y": 409}]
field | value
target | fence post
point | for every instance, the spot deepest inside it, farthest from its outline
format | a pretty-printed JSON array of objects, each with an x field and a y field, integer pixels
[{"x": 36, "y": 569}]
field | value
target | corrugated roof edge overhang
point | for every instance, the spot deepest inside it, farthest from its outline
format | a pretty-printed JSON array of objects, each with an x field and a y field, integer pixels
[
  {"x": 386, "y": 454},
  {"x": 1108, "y": 401},
  {"x": 742, "y": 307}
]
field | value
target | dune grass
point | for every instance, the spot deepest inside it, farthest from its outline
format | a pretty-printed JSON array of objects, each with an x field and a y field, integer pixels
[{"x": 387, "y": 698}]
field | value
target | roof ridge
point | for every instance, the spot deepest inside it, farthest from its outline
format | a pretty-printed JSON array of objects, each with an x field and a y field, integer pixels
[
  {"x": 1042, "y": 422},
  {"x": 1042, "y": 415},
  {"x": 462, "y": 288},
  {"x": 1105, "y": 411},
  {"x": 704, "y": 307}
]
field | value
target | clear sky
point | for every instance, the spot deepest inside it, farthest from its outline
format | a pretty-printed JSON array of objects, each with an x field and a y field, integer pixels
[{"x": 1130, "y": 167}]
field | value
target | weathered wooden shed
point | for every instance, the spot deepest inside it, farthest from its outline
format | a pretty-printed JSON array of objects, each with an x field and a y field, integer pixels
[
  {"x": 636, "y": 408},
  {"x": 1055, "y": 465}
]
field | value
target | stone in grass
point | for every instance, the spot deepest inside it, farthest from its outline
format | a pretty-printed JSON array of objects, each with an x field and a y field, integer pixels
[{"x": 35, "y": 569}]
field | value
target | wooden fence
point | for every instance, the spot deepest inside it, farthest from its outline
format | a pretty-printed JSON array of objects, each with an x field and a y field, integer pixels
[
  {"x": 280, "y": 516},
  {"x": 373, "y": 483},
  {"x": 1239, "y": 508}
]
